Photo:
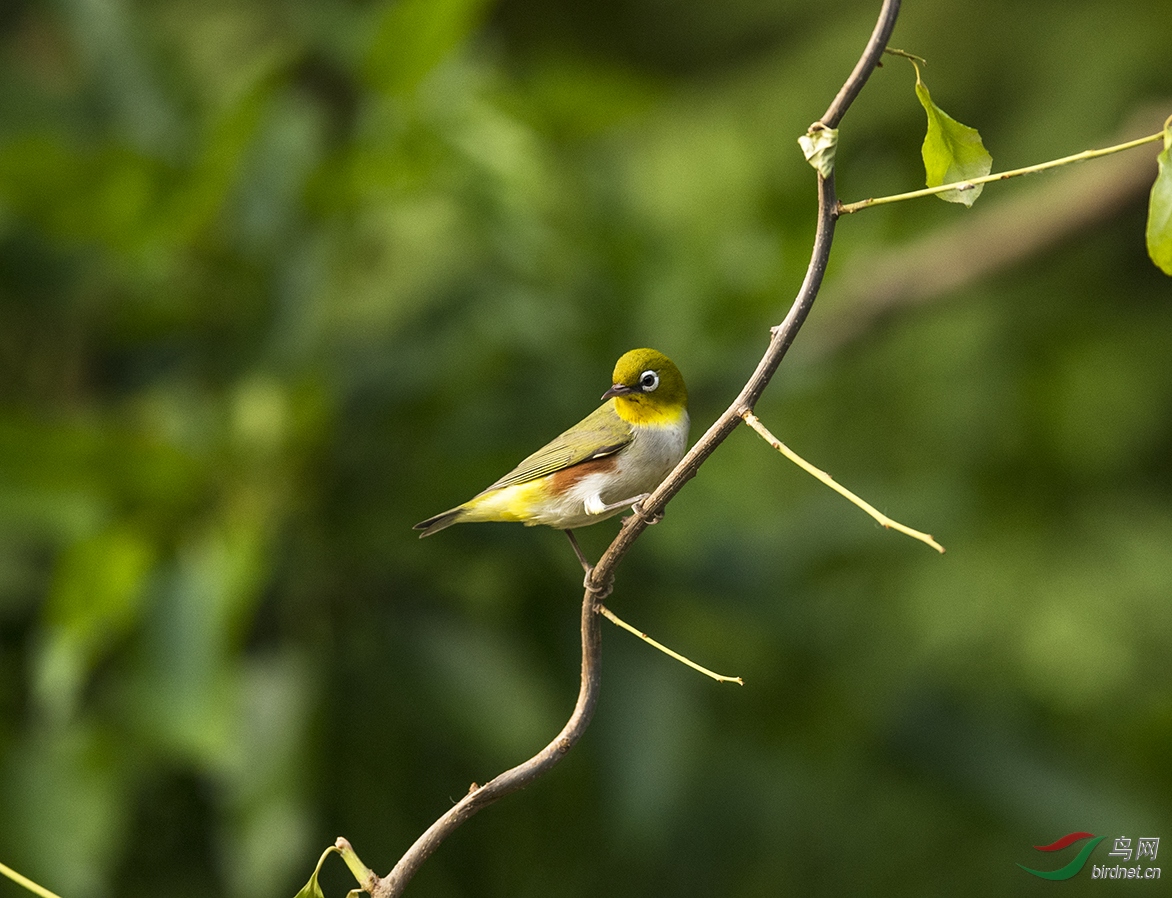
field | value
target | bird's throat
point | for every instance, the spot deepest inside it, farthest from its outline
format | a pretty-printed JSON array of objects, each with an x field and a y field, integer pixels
[{"x": 645, "y": 414}]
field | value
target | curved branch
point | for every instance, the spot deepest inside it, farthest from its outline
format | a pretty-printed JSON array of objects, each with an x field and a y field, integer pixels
[
  {"x": 782, "y": 335},
  {"x": 515, "y": 778},
  {"x": 867, "y": 63},
  {"x": 603, "y": 574}
]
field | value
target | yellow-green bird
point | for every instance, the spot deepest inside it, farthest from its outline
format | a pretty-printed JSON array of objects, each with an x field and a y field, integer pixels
[{"x": 607, "y": 462}]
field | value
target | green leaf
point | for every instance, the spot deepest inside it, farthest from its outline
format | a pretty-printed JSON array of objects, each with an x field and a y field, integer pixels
[
  {"x": 952, "y": 151},
  {"x": 311, "y": 889},
  {"x": 1159, "y": 231}
]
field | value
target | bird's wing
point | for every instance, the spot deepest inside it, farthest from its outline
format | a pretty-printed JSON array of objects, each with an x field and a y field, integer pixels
[{"x": 599, "y": 434}]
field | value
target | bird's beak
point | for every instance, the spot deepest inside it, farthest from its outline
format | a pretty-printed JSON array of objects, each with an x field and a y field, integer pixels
[{"x": 618, "y": 390}]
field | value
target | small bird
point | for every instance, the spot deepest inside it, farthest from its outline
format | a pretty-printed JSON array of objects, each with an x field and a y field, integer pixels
[{"x": 609, "y": 461}]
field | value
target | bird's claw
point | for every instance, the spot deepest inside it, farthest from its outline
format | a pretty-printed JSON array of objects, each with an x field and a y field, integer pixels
[
  {"x": 649, "y": 519},
  {"x": 599, "y": 592}
]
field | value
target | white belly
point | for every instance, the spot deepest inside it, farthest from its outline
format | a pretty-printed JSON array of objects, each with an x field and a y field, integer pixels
[{"x": 642, "y": 465}]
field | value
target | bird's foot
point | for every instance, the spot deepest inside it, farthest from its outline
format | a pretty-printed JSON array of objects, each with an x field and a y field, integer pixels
[
  {"x": 649, "y": 519},
  {"x": 599, "y": 592}
]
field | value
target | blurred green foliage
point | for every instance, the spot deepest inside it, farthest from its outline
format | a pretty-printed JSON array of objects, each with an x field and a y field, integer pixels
[{"x": 278, "y": 280}]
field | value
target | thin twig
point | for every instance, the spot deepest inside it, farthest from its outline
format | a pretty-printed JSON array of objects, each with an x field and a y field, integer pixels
[
  {"x": 754, "y": 422},
  {"x": 619, "y": 622},
  {"x": 989, "y": 238},
  {"x": 847, "y": 208},
  {"x": 602, "y": 576},
  {"x": 35, "y": 888}
]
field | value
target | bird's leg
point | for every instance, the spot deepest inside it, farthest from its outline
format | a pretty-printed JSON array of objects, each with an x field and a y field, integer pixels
[
  {"x": 600, "y": 592},
  {"x": 586, "y": 565}
]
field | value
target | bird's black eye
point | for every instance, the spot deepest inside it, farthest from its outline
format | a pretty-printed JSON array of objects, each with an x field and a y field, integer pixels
[{"x": 648, "y": 381}]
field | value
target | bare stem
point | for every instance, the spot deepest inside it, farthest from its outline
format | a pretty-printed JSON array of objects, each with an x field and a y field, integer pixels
[
  {"x": 847, "y": 208},
  {"x": 671, "y": 653},
  {"x": 890, "y": 523}
]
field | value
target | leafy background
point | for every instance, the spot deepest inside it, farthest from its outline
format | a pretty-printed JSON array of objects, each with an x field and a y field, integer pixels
[{"x": 279, "y": 279}]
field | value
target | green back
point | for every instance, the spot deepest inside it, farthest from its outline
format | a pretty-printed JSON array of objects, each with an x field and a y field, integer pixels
[{"x": 599, "y": 434}]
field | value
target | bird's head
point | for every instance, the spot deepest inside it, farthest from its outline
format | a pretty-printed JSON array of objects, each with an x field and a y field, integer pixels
[{"x": 647, "y": 388}]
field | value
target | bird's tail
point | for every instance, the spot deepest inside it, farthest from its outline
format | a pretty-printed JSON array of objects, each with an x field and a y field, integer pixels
[{"x": 439, "y": 522}]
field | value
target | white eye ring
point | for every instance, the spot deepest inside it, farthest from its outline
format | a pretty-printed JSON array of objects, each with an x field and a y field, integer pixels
[{"x": 648, "y": 381}]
